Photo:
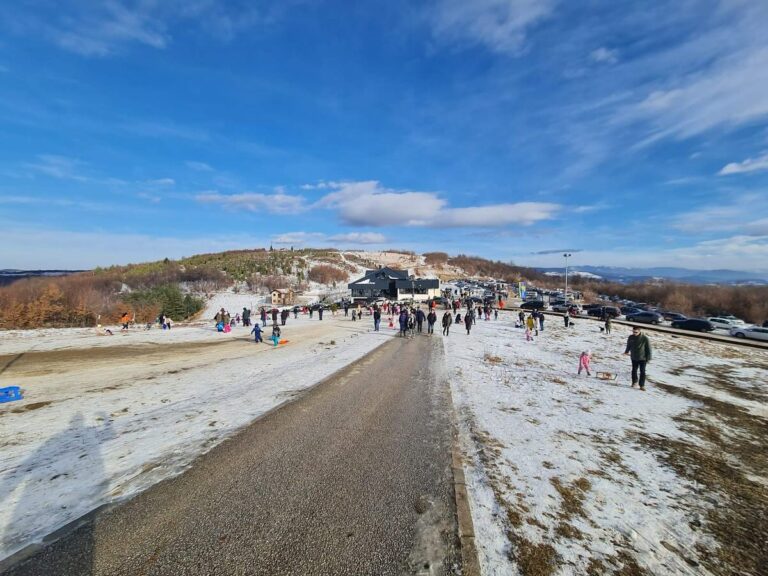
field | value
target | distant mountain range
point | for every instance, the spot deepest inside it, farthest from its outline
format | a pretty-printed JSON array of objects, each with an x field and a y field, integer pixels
[
  {"x": 625, "y": 275},
  {"x": 9, "y": 276}
]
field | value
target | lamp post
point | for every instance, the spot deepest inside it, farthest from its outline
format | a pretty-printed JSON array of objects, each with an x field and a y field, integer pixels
[{"x": 565, "y": 295}]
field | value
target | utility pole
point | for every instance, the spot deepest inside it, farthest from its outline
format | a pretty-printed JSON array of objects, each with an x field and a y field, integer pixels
[{"x": 565, "y": 295}]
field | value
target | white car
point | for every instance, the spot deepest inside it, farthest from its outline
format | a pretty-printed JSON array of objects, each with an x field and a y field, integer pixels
[
  {"x": 752, "y": 332},
  {"x": 721, "y": 323},
  {"x": 734, "y": 321}
]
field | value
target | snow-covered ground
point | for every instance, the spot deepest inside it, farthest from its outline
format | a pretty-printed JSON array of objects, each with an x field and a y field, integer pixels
[
  {"x": 570, "y": 474},
  {"x": 566, "y": 474},
  {"x": 107, "y": 416}
]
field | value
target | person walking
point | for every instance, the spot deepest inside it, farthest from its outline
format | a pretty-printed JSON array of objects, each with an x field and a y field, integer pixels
[
  {"x": 346, "y": 309},
  {"x": 607, "y": 323},
  {"x": 584, "y": 360},
  {"x": 431, "y": 319},
  {"x": 284, "y": 316},
  {"x": 468, "y": 321},
  {"x": 541, "y": 321},
  {"x": 567, "y": 318},
  {"x": 256, "y": 333},
  {"x": 403, "y": 321},
  {"x": 531, "y": 325},
  {"x": 320, "y": 312},
  {"x": 639, "y": 351},
  {"x": 376, "y": 319},
  {"x": 447, "y": 321}
]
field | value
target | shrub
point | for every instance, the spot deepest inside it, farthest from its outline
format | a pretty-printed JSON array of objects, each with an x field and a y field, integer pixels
[{"x": 326, "y": 274}]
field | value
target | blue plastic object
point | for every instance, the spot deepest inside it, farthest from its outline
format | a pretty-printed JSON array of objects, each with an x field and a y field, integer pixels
[{"x": 10, "y": 394}]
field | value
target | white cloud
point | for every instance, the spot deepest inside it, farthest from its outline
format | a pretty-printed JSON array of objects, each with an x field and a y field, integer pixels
[
  {"x": 278, "y": 203},
  {"x": 369, "y": 204},
  {"x": 64, "y": 249},
  {"x": 746, "y": 214},
  {"x": 101, "y": 29},
  {"x": 499, "y": 25},
  {"x": 748, "y": 165},
  {"x": 303, "y": 238},
  {"x": 298, "y": 238},
  {"x": 199, "y": 166},
  {"x": 60, "y": 167},
  {"x": 604, "y": 55},
  {"x": 728, "y": 94},
  {"x": 162, "y": 182},
  {"x": 359, "y": 238}
]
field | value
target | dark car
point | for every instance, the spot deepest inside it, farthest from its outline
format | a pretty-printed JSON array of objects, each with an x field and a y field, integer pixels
[
  {"x": 626, "y": 310},
  {"x": 603, "y": 311},
  {"x": 645, "y": 317},
  {"x": 534, "y": 305},
  {"x": 694, "y": 324},
  {"x": 674, "y": 316}
]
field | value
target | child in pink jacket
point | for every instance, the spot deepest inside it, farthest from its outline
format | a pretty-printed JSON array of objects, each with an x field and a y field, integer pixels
[{"x": 584, "y": 362}]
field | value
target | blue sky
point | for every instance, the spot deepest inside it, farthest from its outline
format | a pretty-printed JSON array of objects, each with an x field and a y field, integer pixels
[{"x": 627, "y": 133}]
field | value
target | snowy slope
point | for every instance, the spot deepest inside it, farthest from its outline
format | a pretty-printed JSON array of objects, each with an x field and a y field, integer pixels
[{"x": 560, "y": 466}]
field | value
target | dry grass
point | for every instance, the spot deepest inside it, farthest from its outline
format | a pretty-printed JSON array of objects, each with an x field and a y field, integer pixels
[
  {"x": 565, "y": 530},
  {"x": 734, "y": 445},
  {"x": 534, "y": 559},
  {"x": 572, "y": 496},
  {"x": 491, "y": 359}
]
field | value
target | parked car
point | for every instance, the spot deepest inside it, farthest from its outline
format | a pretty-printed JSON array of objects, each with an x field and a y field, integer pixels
[
  {"x": 646, "y": 318},
  {"x": 562, "y": 307},
  {"x": 752, "y": 332},
  {"x": 694, "y": 324},
  {"x": 721, "y": 323},
  {"x": 534, "y": 305},
  {"x": 673, "y": 316},
  {"x": 733, "y": 320},
  {"x": 629, "y": 310},
  {"x": 611, "y": 311}
]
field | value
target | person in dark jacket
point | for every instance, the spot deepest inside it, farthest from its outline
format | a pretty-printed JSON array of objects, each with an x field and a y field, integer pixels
[
  {"x": 431, "y": 319},
  {"x": 376, "y": 318},
  {"x": 403, "y": 320},
  {"x": 320, "y": 312},
  {"x": 284, "y": 316},
  {"x": 468, "y": 319},
  {"x": 420, "y": 317},
  {"x": 607, "y": 323},
  {"x": 447, "y": 321},
  {"x": 639, "y": 350},
  {"x": 274, "y": 315}
]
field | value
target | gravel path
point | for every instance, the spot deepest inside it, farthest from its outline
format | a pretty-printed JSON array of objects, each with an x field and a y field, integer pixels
[{"x": 352, "y": 478}]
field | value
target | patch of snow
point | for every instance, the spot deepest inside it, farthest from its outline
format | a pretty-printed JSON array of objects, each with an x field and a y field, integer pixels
[
  {"x": 530, "y": 425},
  {"x": 111, "y": 430}
]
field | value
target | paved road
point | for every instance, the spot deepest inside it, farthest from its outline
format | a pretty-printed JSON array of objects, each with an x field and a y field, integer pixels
[{"x": 353, "y": 478}]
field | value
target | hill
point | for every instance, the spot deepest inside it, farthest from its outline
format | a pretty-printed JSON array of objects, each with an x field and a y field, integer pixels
[{"x": 181, "y": 288}]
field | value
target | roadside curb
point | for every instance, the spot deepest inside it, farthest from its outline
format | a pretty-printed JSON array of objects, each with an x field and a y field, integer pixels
[
  {"x": 470, "y": 562},
  {"x": 469, "y": 559}
]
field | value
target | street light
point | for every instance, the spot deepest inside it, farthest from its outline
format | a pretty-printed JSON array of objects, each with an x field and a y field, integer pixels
[{"x": 565, "y": 296}]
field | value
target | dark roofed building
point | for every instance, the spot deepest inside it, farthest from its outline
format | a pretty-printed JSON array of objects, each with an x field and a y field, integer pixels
[{"x": 393, "y": 284}]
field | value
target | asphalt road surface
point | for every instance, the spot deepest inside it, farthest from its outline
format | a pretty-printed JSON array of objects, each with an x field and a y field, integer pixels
[{"x": 352, "y": 478}]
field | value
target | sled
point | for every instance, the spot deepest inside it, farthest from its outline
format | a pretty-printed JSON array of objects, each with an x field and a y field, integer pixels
[
  {"x": 606, "y": 376},
  {"x": 10, "y": 394}
]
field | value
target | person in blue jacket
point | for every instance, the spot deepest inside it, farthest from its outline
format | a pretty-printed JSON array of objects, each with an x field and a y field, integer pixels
[{"x": 256, "y": 333}]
